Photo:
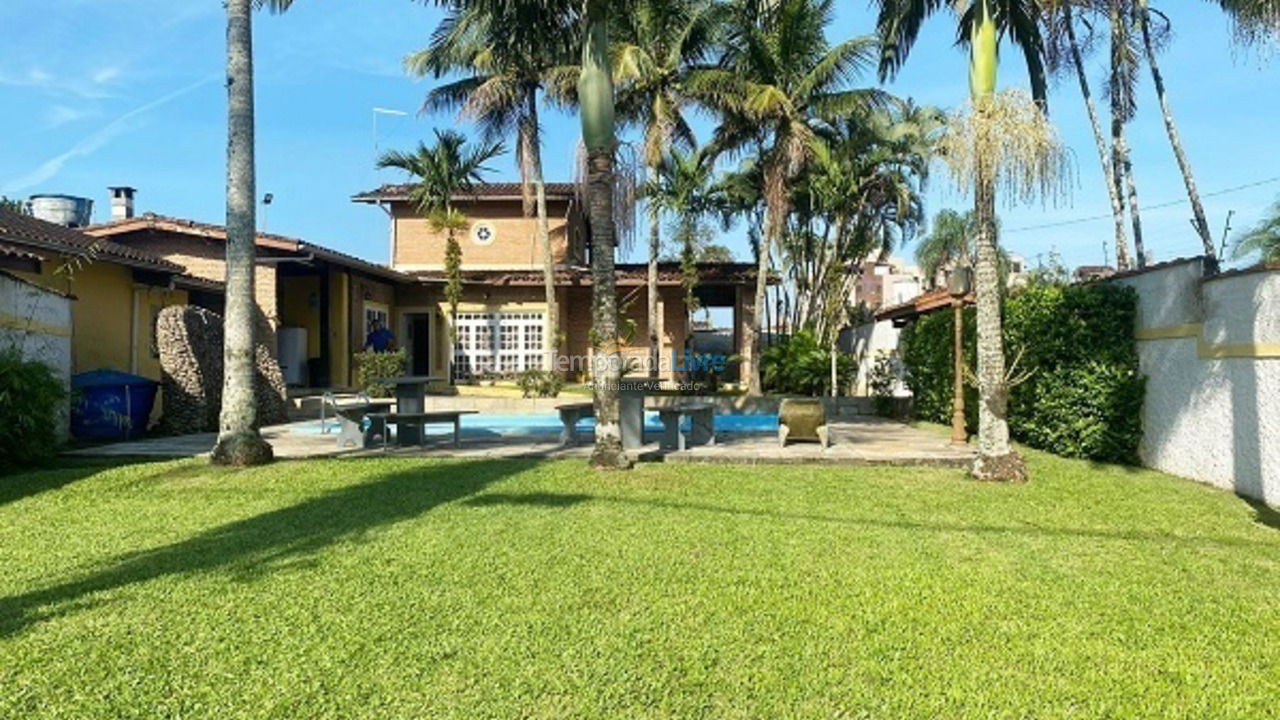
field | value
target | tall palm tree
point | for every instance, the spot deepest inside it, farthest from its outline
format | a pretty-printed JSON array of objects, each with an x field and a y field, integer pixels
[
  {"x": 506, "y": 54},
  {"x": 596, "y": 108},
  {"x": 1066, "y": 54},
  {"x": 982, "y": 24},
  {"x": 1142, "y": 17},
  {"x": 598, "y": 115},
  {"x": 1122, "y": 92},
  {"x": 659, "y": 56},
  {"x": 780, "y": 80},
  {"x": 239, "y": 442},
  {"x": 445, "y": 171}
]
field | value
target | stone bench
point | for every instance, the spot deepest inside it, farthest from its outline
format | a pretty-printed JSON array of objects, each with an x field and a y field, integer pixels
[
  {"x": 570, "y": 414},
  {"x": 418, "y": 421},
  {"x": 702, "y": 430}
]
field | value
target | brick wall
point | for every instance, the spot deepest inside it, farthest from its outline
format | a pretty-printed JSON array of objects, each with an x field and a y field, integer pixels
[{"x": 514, "y": 245}]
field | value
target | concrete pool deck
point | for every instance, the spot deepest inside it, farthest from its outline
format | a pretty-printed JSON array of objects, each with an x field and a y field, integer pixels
[{"x": 860, "y": 441}]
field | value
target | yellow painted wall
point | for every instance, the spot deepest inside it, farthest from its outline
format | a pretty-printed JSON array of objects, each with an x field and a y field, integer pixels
[
  {"x": 340, "y": 328},
  {"x": 102, "y": 315}
]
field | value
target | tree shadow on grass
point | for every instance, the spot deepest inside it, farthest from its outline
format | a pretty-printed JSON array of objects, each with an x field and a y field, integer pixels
[
  {"x": 30, "y": 482},
  {"x": 1263, "y": 514},
  {"x": 552, "y": 500},
  {"x": 279, "y": 538}
]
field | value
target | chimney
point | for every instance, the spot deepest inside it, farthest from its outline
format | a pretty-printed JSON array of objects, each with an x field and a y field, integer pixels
[{"x": 121, "y": 202}]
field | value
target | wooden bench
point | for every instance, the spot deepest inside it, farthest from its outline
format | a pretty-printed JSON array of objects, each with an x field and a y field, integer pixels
[
  {"x": 419, "y": 421},
  {"x": 702, "y": 428},
  {"x": 570, "y": 414}
]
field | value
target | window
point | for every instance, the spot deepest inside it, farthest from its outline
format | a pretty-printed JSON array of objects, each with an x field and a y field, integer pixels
[
  {"x": 503, "y": 343},
  {"x": 375, "y": 314}
]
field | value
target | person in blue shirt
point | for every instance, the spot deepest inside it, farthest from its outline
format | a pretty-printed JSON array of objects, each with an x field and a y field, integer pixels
[{"x": 380, "y": 339}]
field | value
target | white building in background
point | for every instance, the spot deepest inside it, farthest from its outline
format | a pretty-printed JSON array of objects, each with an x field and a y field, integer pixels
[{"x": 886, "y": 283}]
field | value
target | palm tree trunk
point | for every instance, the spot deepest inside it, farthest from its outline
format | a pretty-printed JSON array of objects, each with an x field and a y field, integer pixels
[
  {"x": 1193, "y": 193},
  {"x": 655, "y": 242},
  {"x": 1122, "y": 179},
  {"x": 996, "y": 459},
  {"x": 1117, "y": 206},
  {"x": 755, "y": 385},
  {"x": 595, "y": 94},
  {"x": 239, "y": 442},
  {"x": 533, "y": 155}
]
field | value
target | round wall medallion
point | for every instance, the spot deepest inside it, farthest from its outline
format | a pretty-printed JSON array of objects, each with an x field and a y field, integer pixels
[{"x": 483, "y": 233}]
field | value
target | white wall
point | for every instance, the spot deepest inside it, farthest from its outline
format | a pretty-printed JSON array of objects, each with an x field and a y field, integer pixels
[
  {"x": 39, "y": 323},
  {"x": 865, "y": 342},
  {"x": 1211, "y": 352}
]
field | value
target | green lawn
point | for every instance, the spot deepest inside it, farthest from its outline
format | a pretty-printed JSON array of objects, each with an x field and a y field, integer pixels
[{"x": 409, "y": 588}]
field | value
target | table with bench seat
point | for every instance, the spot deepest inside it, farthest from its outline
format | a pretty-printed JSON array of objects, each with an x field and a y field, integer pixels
[
  {"x": 417, "y": 422},
  {"x": 702, "y": 429}
]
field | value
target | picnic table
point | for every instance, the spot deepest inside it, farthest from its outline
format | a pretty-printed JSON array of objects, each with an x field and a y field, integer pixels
[
  {"x": 702, "y": 430},
  {"x": 353, "y": 431},
  {"x": 411, "y": 399},
  {"x": 417, "y": 422}
]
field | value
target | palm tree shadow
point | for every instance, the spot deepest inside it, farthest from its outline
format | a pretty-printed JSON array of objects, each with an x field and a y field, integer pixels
[
  {"x": 1263, "y": 514},
  {"x": 287, "y": 537},
  {"x": 30, "y": 482}
]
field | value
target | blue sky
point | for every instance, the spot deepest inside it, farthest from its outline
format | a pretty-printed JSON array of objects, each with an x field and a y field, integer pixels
[{"x": 129, "y": 92}]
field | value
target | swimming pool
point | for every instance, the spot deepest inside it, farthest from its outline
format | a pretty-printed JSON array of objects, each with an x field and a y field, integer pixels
[{"x": 529, "y": 426}]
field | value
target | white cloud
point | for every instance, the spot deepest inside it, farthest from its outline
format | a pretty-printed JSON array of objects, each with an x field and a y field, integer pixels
[
  {"x": 59, "y": 115},
  {"x": 95, "y": 140},
  {"x": 106, "y": 74}
]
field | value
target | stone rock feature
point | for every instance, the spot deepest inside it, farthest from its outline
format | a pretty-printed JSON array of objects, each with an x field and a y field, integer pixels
[{"x": 190, "y": 342}]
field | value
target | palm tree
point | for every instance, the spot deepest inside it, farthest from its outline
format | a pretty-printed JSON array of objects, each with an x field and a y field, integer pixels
[
  {"x": 780, "y": 80},
  {"x": 239, "y": 442},
  {"x": 1263, "y": 239},
  {"x": 445, "y": 171},
  {"x": 982, "y": 24},
  {"x": 507, "y": 54},
  {"x": 596, "y": 106},
  {"x": 682, "y": 185},
  {"x": 1257, "y": 21},
  {"x": 948, "y": 245},
  {"x": 1142, "y": 16},
  {"x": 1064, "y": 47},
  {"x": 658, "y": 58}
]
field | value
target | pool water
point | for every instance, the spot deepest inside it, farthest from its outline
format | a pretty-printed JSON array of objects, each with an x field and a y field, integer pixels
[{"x": 523, "y": 426}]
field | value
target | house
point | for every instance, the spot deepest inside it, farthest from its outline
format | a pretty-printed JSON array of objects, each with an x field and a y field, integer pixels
[
  {"x": 116, "y": 290},
  {"x": 320, "y": 304},
  {"x": 499, "y": 324},
  {"x": 882, "y": 283},
  {"x": 320, "y": 298}
]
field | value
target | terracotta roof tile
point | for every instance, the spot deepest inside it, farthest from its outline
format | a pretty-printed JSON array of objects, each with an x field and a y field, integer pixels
[
  {"x": 25, "y": 231},
  {"x": 486, "y": 191}
]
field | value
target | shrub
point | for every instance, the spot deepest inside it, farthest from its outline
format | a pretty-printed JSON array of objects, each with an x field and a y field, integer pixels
[
  {"x": 1082, "y": 394},
  {"x": 32, "y": 400},
  {"x": 540, "y": 383},
  {"x": 375, "y": 370},
  {"x": 798, "y": 365},
  {"x": 882, "y": 379}
]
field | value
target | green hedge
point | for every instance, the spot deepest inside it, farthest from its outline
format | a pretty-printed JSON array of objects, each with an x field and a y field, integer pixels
[
  {"x": 1082, "y": 396},
  {"x": 32, "y": 401}
]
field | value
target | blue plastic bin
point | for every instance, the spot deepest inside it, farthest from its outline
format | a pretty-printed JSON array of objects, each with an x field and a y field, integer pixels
[{"x": 111, "y": 405}]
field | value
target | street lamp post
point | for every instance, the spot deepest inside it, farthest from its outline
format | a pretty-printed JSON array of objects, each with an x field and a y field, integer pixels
[{"x": 959, "y": 284}]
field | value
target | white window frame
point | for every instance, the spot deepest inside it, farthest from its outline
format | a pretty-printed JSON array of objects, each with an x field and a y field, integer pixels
[{"x": 500, "y": 343}]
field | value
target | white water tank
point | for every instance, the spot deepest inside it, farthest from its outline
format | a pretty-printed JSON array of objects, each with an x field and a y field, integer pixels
[
  {"x": 65, "y": 210},
  {"x": 291, "y": 350}
]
